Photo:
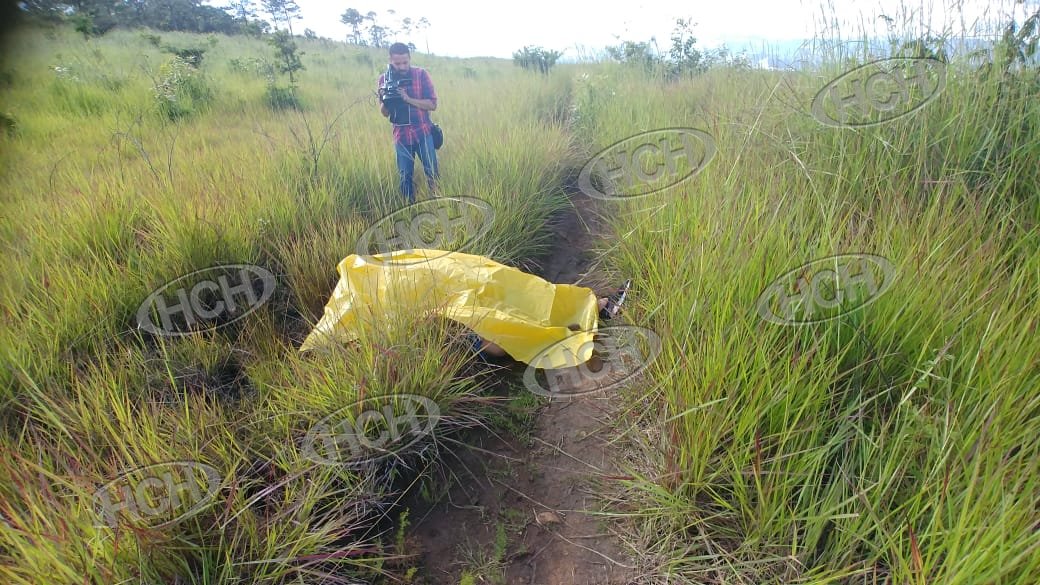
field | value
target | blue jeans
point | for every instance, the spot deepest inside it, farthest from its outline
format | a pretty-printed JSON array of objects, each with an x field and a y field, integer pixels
[{"x": 406, "y": 164}]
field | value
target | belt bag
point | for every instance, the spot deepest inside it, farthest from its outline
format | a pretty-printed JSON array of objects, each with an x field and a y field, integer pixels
[{"x": 438, "y": 137}]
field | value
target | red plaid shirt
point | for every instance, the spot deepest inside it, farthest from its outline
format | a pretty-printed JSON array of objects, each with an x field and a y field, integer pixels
[{"x": 421, "y": 88}]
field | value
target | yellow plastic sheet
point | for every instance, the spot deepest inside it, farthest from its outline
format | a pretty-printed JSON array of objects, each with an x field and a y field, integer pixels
[{"x": 526, "y": 316}]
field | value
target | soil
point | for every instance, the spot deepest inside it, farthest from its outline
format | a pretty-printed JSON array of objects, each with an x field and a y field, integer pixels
[{"x": 520, "y": 509}]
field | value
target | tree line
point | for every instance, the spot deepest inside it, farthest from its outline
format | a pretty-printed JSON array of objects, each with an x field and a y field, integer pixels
[
  {"x": 96, "y": 17},
  {"x": 367, "y": 30}
]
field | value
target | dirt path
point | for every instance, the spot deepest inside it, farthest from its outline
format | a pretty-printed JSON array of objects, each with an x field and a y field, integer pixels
[{"x": 521, "y": 509}]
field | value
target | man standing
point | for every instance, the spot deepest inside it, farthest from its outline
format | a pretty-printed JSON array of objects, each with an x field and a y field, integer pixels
[{"x": 407, "y": 103}]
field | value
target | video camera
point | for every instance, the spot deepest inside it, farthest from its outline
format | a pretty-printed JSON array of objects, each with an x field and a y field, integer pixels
[{"x": 390, "y": 95}]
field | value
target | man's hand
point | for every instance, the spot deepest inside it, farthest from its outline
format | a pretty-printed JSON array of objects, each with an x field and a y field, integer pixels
[
  {"x": 417, "y": 103},
  {"x": 384, "y": 111}
]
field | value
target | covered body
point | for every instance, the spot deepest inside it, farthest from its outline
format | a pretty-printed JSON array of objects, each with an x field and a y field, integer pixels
[{"x": 535, "y": 321}]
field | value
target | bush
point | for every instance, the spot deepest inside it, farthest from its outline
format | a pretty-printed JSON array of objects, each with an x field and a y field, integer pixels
[
  {"x": 682, "y": 59},
  {"x": 635, "y": 54},
  {"x": 8, "y": 124},
  {"x": 191, "y": 55},
  {"x": 281, "y": 98},
  {"x": 256, "y": 66},
  {"x": 536, "y": 58},
  {"x": 182, "y": 90}
]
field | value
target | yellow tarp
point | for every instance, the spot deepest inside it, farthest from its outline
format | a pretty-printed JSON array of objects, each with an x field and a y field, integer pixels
[{"x": 522, "y": 313}]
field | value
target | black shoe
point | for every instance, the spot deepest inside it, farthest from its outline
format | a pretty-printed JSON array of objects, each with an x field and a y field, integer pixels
[{"x": 614, "y": 302}]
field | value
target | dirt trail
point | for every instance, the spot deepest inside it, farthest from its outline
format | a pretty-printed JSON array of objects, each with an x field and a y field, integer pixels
[{"x": 521, "y": 509}]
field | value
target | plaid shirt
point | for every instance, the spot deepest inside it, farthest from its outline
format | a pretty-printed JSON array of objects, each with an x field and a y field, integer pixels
[{"x": 421, "y": 88}]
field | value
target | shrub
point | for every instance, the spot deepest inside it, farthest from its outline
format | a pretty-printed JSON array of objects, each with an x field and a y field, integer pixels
[
  {"x": 536, "y": 58},
  {"x": 635, "y": 54},
  {"x": 281, "y": 98},
  {"x": 182, "y": 90},
  {"x": 191, "y": 55},
  {"x": 287, "y": 54},
  {"x": 258, "y": 67},
  {"x": 8, "y": 124}
]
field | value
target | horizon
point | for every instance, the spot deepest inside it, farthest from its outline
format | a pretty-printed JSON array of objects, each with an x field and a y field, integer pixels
[{"x": 738, "y": 27}]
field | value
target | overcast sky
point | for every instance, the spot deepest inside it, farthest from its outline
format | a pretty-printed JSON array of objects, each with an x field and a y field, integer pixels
[{"x": 470, "y": 29}]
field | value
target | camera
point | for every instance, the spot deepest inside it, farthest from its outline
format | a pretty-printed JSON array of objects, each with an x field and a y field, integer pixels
[
  {"x": 392, "y": 82},
  {"x": 390, "y": 96}
]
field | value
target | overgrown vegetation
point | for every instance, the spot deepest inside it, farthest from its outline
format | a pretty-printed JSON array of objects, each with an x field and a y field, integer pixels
[
  {"x": 287, "y": 57},
  {"x": 181, "y": 90},
  {"x": 683, "y": 58},
  {"x": 895, "y": 444},
  {"x": 112, "y": 201},
  {"x": 536, "y": 58}
]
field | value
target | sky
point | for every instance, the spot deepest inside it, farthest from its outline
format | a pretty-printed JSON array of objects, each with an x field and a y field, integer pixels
[{"x": 580, "y": 28}]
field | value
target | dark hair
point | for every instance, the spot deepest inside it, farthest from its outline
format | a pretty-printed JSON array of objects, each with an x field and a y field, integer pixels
[{"x": 399, "y": 49}]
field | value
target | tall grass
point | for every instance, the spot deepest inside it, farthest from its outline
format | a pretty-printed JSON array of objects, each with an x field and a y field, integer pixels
[
  {"x": 108, "y": 197},
  {"x": 896, "y": 444}
]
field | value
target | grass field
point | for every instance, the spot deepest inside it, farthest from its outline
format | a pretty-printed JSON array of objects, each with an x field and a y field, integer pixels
[{"x": 893, "y": 443}]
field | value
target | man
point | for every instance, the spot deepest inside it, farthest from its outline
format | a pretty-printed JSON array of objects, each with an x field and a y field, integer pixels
[{"x": 410, "y": 118}]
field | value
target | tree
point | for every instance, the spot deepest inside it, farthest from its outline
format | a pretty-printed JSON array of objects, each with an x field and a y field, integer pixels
[
  {"x": 83, "y": 23},
  {"x": 287, "y": 54},
  {"x": 45, "y": 10},
  {"x": 95, "y": 17},
  {"x": 243, "y": 10},
  {"x": 353, "y": 18},
  {"x": 423, "y": 24},
  {"x": 378, "y": 35},
  {"x": 368, "y": 29},
  {"x": 684, "y": 56},
  {"x": 282, "y": 11},
  {"x": 635, "y": 54}
]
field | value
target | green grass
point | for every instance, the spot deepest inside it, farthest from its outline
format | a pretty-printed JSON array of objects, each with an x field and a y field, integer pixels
[
  {"x": 486, "y": 562},
  {"x": 895, "y": 444},
  {"x": 114, "y": 200}
]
